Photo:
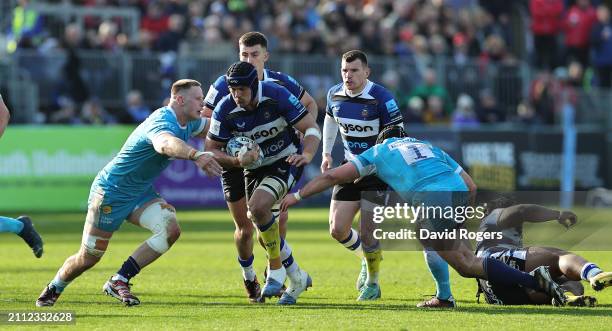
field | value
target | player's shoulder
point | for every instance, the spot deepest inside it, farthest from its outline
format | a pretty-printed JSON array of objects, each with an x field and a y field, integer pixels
[
  {"x": 271, "y": 89},
  {"x": 225, "y": 105},
  {"x": 335, "y": 89},
  {"x": 379, "y": 91},
  {"x": 271, "y": 75},
  {"x": 220, "y": 82}
]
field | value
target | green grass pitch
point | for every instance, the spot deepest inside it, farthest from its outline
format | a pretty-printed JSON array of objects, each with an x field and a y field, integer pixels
[{"x": 197, "y": 284}]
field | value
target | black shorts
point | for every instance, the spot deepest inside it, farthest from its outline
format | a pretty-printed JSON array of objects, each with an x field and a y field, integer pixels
[
  {"x": 497, "y": 294},
  {"x": 352, "y": 191},
  {"x": 277, "y": 178},
  {"x": 233, "y": 184}
]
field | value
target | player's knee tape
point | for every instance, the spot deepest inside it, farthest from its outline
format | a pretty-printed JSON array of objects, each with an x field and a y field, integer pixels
[
  {"x": 94, "y": 245},
  {"x": 275, "y": 186},
  {"x": 156, "y": 218}
]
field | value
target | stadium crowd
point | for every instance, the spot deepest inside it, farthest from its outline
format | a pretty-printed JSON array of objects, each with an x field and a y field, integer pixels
[{"x": 568, "y": 43}]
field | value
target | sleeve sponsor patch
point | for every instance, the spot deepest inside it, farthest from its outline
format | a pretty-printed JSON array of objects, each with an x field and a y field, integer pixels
[
  {"x": 391, "y": 106},
  {"x": 211, "y": 95},
  {"x": 215, "y": 127}
]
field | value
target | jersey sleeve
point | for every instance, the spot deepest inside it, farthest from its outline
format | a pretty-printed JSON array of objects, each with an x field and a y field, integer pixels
[
  {"x": 219, "y": 127},
  {"x": 389, "y": 110},
  {"x": 197, "y": 126},
  {"x": 293, "y": 86},
  {"x": 328, "y": 106},
  {"x": 216, "y": 92},
  {"x": 159, "y": 126},
  {"x": 452, "y": 163},
  {"x": 294, "y": 110},
  {"x": 364, "y": 162}
]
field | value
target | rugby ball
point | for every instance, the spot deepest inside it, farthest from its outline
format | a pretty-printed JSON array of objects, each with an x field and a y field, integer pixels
[{"x": 239, "y": 145}]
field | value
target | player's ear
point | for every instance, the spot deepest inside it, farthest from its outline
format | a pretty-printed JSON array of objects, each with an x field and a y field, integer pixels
[
  {"x": 367, "y": 71},
  {"x": 266, "y": 55}
]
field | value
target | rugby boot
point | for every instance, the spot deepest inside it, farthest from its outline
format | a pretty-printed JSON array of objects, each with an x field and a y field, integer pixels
[{"x": 120, "y": 290}]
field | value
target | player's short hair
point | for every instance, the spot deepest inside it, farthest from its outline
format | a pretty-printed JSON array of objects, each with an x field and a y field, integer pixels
[
  {"x": 253, "y": 38},
  {"x": 184, "y": 84},
  {"x": 355, "y": 54},
  {"x": 393, "y": 131}
]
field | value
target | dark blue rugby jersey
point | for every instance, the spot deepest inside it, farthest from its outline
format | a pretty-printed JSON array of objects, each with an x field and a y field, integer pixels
[
  {"x": 219, "y": 88},
  {"x": 270, "y": 125},
  {"x": 362, "y": 117}
]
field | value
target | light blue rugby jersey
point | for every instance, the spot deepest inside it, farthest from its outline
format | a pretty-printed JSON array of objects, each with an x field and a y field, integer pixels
[
  {"x": 137, "y": 165},
  {"x": 410, "y": 165}
]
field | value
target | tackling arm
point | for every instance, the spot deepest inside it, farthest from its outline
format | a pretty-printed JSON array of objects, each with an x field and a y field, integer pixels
[
  {"x": 342, "y": 174},
  {"x": 225, "y": 160},
  {"x": 518, "y": 214},
  {"x": 171, "y": 146}
]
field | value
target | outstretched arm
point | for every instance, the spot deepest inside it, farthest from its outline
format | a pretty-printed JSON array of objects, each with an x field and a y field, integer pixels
[
  {"x": 171, "y": 146},
  {"x": 518, "y": 214},
  {"x": 342, "y": 174}
]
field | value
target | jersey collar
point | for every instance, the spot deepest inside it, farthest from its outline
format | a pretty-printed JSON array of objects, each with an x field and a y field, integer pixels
[
  {"x": 176, "y": 117},
  {"x": 365, "y": 91}
]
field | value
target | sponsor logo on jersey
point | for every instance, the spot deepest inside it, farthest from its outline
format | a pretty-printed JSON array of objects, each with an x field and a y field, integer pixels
[
  {"x": 107, "y": 209},
  {"x": 355, "y": 127},
  {"x": 364, "y": 113},
  {"x": 274, "y": 148},
  {"x": 265, "y": 133},
  {"x": 211, "y": 95},
  {"x": 357, "y": 144}
]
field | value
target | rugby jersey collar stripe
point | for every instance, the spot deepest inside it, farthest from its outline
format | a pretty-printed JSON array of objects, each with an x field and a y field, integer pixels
[
  {"x": 365, "y": 93},
  {"x": 176, "y": 118}
]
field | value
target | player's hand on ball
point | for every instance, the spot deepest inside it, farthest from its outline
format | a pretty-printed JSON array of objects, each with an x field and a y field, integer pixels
[
  {"x": 326, "y": 163},
  {"x": 207, "y": 162},
  {"x": 248, "y": 155},
  {"x": 287, "y": 202},
  {"x": 567, "y": 219},
  {"x": 298, "y": 160}
]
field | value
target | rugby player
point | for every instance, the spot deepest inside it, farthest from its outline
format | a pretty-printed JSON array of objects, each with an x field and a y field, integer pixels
[
  {"x": 566, "y": 268},
  {"x": 419, "y": 173},
  {"x": 123, "y": 189},
  {"x": 268, "y": 114},
  {"x": 361, "y": 109},
  {"x": 22, "y": 225},
  {"x": 253, "y": 48}
]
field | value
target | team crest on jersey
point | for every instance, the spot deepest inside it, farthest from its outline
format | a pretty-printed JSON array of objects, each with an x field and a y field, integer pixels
[
  {"x": 266, "y": 115},
  {"x": 364, "y": 112},
  {"x": 107, "y": 209}
]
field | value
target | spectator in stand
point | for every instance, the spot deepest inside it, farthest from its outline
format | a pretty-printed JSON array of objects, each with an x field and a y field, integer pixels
[
  {"x": 601, "y": 39},
  {"x": 169, "y": 41},
  {"x": 546, "y": 26},
  {"x": 154, "y": 21},
  {"x": 94, "y": 113},
  {"x": 429, "y": 88},
  {"x": 136, "y": 108},
  {"x": 488, "y": 110},
  {"x": 464, "y": 115},
  {"x": 434, "y": 112},
  {"x": 577, "y": 26},
  {"x": 414, "y": 111},
  {"x": 27, "y": 28},
  {"x": 542, "y": 97}
]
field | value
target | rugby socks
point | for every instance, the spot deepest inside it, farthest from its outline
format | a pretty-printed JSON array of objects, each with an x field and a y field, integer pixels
[
  {"x": 8, "y": 224},
  {"x": 59, "y": 284},
  {"x": 248, "y": 273},
  {"x": 286, "y": 255},
  {"x": 271, "y": 237},
  {"x": 589, "y": 270},
  {"x": 439, "y": 271},
  {"x": 353, "y": 243},
  {"x": 129, "y": 269},
  {"x": 373, "y": 256},
  {"x": 499, "y": 272}
]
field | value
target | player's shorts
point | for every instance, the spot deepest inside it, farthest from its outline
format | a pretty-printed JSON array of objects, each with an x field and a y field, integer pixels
[
  {"x": 107, "y": 212},
  {"x": 496, "y": 294},
  {"x": 277, "y": 178},
  {"x": 233, "y": 184},
  {"x": 352, "y": 191}
]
